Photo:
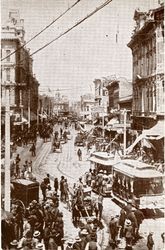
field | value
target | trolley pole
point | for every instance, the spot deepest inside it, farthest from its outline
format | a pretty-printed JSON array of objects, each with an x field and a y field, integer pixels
[{"x": 7, "y": 150}]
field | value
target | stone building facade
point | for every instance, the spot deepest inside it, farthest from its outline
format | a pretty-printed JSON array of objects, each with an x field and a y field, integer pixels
[
  {"x": 147, "y": 45},
  {"x": 16, "y": 70}
]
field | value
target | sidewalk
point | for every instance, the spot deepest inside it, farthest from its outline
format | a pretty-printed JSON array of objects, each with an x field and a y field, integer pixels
[{"x": 24, "y": 152}]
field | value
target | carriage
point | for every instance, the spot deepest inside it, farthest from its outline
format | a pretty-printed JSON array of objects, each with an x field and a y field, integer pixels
[{"x": 56, "y": 146}]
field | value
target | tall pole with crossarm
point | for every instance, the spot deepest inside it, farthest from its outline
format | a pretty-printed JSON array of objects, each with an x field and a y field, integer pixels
[{"x": 7, "y": 149}]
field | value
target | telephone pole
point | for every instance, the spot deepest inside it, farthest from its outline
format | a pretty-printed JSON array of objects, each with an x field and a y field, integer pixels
[{"x": 7, "y": 148}]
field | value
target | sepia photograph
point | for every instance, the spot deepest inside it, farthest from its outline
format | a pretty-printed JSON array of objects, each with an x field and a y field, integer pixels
[{"x": 82, "y": 125}]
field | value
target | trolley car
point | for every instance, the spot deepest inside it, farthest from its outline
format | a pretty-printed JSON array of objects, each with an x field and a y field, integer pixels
[
  {"x": 102, "y": 162},
  {"x": 139, "y": 182}
]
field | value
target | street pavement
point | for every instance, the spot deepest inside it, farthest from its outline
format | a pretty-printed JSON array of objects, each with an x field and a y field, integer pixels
[{"x": 67, "y": 164}]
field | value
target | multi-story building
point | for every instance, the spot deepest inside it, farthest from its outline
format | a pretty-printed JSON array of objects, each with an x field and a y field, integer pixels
[
  {"x": 61, "y": 105},
  {"x": 87, "y": 103},
  {"x": 120, "y": 100},
  {"x": 16, "y": 70},
  {"x": 101, "y": 97},
  {"x": 147, "y": 45}
]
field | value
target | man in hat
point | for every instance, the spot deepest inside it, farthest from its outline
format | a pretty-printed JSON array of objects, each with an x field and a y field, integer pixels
[
  {"x": 62, "y": 188},
  {"x": 83, "y": 236},
  {"x": 77, "y": 244},
  {"x": 70, "y": 245},
  {"x": 139, "y": 217},
  {"x": 14, "y": 245},
  {"x": 100, "y": 206},
  {"x": 128, "y": 232},
  {"x": 43, "y": 189},
  {"x": 92, "y": 244},
  {"x": 36, "y": 238},
  {"x": 113, "y": 228},
  {"x": 52, "y": 244},
  {"x": 150, "y": 241},
  {"x": 26, "y": 240}
]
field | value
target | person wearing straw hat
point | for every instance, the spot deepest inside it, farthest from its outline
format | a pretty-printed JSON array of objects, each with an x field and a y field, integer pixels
[
  {"x": 83, "y": 236},
  {"x": 113, "y": 229},
  {"x": 14, "y": 245},
  {"x": 77, "y": 243},
  {"x": 70, "y": 243},
  {"x": 128, "y": 232},
  {"x": 36, "y": 238},
  {"x": 40, "y": 246}
]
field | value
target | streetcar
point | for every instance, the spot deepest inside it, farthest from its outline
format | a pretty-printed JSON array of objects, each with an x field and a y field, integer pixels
[
  {"x": 139, "y": 183},
  {"x": 102, "y": 163}
]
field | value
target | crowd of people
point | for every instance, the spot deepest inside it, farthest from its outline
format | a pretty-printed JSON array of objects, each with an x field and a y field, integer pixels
[{"x": 41, "y": 225}]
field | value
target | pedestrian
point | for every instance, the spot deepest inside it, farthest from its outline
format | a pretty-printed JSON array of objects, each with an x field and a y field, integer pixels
[
  {"x": 62, "y": 188},
  {"x": 33, "y": 149},
  {"x": 83, "y": 236},
  {"x": 66, "y": 190},
  {"x": 61, "y": 131},
  {"x": 17, "y": 159},
  {"x": 89, "y": 177},
  {"x": 128, "y": 232},
  {"x": 36, "y": 238},
  {"x": 100, "y": 206},
  {"x": 113, "y": 229},
  {"x": 70, "y": 245},
  {"x": 14, "y": 245},
  {"x": 79, "y": 153},
  {"x": 30, "y": 166},
  {"x": 43, "y": 189},
  {"x": 56, "y": 184},
  {"x": 122, "y": 219},
  {"x": 150, "y": 241},
  {"x": 52, "y": 244},
  {"x": 139, "y": 217},
  {"x": 77, "y": 244},
  {"x": 17, "y": 162},
  {"x": 163, "y": 237},
  {"x": 92, "y": 244},
  {"x": 47, "y": 179}
]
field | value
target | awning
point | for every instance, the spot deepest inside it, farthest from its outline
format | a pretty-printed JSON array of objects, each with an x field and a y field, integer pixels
[
  {"x": 22, "y": 121},
  {"x": 154, "y": 133},
  {"x": 157, "y": 131}
]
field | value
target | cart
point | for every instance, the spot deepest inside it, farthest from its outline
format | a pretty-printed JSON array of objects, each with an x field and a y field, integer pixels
[{"x": 56, "y": 146}]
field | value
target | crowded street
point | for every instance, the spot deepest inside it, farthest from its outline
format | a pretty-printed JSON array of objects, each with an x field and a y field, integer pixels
[
  {"x": 82, "y": 125},
  {"x": 66, "y": 163}
]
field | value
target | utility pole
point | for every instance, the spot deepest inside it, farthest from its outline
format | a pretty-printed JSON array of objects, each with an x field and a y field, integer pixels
[
  {"x": 29, "y": 108},
  {"x": 7, "y": 148},
  {"x": 103, "y": 130},
  {"x": 125, "y": 130}
]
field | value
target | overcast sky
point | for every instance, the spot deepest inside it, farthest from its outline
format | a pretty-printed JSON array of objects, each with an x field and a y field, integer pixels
[{"x": 87, "y": 52}]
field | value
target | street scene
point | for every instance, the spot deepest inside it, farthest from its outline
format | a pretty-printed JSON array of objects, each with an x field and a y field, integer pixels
[{"x": 82, "y": 125}]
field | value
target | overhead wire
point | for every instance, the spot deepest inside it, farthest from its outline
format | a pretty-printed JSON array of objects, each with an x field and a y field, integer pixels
[
  {"x": 40, "y": 32},
  {"x": 75, "y": 25}
]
